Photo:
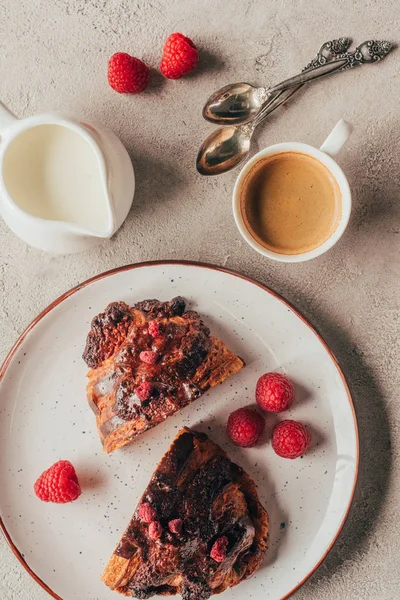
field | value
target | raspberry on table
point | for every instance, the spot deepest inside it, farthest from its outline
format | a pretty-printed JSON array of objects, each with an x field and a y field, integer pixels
[
  {"x": 58, "y": 484},
  {"x": 218, "y": 550},
  {"x": 146, "y": 512},
  {"x": 290, "y": 439},
  {"x": 144, "y": 390},
  {"x": 274, "y": 392},
  {"x": 155, "y": 530},
  {"x": 127, "y": 74},
  {"x": 149, "y": 357},
  {"x": 175, "y": 526},
  {"x": 245, "y": 426},
  {"x": 180, "y": 56},
  {"x": 154, "y": 328}
]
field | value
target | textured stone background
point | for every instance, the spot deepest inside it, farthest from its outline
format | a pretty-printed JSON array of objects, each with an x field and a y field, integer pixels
[{"x": 53, "y": 55}]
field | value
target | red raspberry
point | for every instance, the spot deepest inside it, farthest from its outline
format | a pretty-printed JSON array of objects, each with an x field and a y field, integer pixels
[
  {"x": 146, "y": 512},
  {"x": 149, "y": 357},
  {"x": 245, "y": 426},
  {"x": 58, "y": 484},
  {"x": 127, "y": 74},
  {"x": 290, "y": 439},
  {"x": 155, "y": 530},
  {"x": 274, "y": 392},
  {"x": 175, "y": 526},
  {"x": 180, "y": 56},
  {"x": 144, "y": 390},
  {"x": 218, "y": 551},
  {"x": 154, "y": 328}
]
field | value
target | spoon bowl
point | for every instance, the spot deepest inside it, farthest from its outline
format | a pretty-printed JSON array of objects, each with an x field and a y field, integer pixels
[
  {"x": 223, "y": 150},
  {"x": 233, "y": 104}
]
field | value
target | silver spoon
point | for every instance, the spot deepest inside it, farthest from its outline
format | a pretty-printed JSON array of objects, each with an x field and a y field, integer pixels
[
  {"x": 233, "y": 143},
  {"x": 228, "y": 146},
  {"x": 238, "y": 103}
]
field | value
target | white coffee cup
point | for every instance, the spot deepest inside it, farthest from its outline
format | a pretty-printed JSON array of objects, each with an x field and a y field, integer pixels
[{"x": 331, "y": 146}]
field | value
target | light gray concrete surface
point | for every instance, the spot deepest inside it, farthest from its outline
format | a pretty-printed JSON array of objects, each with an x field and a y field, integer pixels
[{"x": 53, "y": 55}]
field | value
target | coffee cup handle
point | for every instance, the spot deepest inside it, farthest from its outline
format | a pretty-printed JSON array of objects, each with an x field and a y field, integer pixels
[{"x": 337, "y": 138}]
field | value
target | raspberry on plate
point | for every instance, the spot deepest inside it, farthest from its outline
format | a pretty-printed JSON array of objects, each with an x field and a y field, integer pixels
[
  {"x": 245, "y": 427},
  {"x": 274, "y": 392},
  {"x": 58, "y": 484},
  {"x": 149, "y": 357},
  {"x": 155, "y": 530},
  {"x": 144, "y": 390},
  {"x": 127, "y": 74},
  {"x": 146, "y": 512},
  {"x": 180, "y": 56},
  {"x": 290, "y": 439},
  {"x": 175, "y": 526},
  {"x": 154, "y": 328},
  {"x": 218, "y": 550}
]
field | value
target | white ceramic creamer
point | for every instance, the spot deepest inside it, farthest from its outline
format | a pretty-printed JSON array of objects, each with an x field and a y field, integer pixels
[{"x": 65, "y": 185}]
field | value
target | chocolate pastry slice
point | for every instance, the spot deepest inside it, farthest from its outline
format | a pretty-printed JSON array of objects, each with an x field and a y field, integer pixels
[
  {"x": 199, "y": 527},
  {"x": 148, "y": 361}
]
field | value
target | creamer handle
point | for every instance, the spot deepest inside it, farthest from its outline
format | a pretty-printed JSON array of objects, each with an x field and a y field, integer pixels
[{"x": 6, "y": 118}]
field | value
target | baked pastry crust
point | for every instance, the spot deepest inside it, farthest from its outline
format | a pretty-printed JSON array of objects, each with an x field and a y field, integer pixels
[
  {"x": 197, "y": 483},
  {"x": 190, "y": 361}
]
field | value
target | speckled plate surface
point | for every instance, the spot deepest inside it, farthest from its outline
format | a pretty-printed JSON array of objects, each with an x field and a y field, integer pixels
[{"x": 44, "y": 417}]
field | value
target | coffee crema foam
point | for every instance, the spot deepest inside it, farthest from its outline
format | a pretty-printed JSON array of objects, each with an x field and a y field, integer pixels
[{"x": 290, "y": 203}]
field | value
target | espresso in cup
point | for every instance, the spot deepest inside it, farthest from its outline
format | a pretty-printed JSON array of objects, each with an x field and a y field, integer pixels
[{"x": 290, "y": 203}]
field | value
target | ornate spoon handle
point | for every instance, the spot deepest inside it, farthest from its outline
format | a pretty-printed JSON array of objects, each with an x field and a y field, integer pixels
[
  {"x": 327, "y": 52},
  {"x": 367, "y": 52},
  {"x": 371, "y": 51}
]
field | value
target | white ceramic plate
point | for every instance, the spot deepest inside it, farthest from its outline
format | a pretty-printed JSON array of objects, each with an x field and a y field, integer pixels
[{"x": 44, "y": 417}]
